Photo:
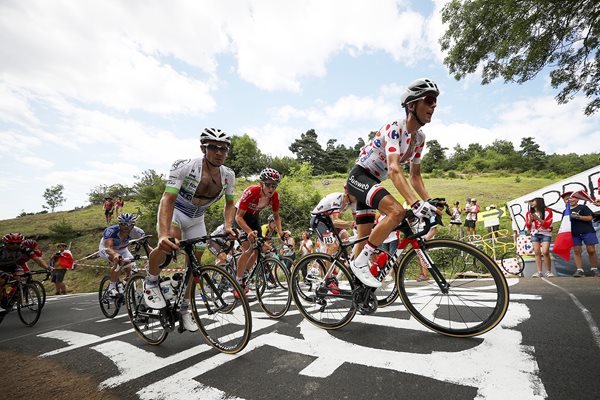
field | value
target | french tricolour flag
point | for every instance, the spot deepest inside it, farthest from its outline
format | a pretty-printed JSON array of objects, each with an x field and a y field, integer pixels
[{"x": 564, "y": 240}]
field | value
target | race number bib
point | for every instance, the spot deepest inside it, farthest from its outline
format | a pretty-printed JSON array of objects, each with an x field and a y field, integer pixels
[{"x": 328, "y": 238}]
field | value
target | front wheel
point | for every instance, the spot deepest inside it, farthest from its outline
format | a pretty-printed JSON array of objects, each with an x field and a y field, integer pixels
[
  {"x": 42, "y": 290},
  {"x": 29, "y": 305},
  {"x": 325, "y": 297},
  {"x": 272, "y": 279},
  {"x": 456, "y": 299},
  {"x": 220, "y": 309},
  {"x": 109, "y": 305},
  {"x": 145, "y": 320}
]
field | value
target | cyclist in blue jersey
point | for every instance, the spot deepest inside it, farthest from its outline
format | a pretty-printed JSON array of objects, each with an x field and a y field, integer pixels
[
  {"x": 114, "y": 246},
  {"x": 192, "y": 187}
]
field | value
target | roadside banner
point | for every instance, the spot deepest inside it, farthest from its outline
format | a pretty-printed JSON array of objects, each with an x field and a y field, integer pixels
[
  {"x": 495, "y": 213},
  {"x": 586, "y": 180}
]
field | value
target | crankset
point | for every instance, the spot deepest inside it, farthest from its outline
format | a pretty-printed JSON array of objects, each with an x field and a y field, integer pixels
[{"x": 364, "y": 300}]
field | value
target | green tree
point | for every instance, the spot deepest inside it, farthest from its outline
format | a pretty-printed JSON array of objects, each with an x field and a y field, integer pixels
[
  {"x": 148, "y": 189},
  {"x": 307, "y": 149},
  {"x": 100, "y": 192},
  {"x": 435, "y": 157},
  {"x": 516, "y": 40},
  {"x": 54, "y": 197},
  {"x": 244, "y": 157},
  {"x": 533, "y": 157}
]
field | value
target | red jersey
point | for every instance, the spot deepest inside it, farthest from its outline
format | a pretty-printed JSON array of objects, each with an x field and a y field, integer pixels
[
  {"x": 543, "y": 227},
  {"x": 253, "y": 204}
]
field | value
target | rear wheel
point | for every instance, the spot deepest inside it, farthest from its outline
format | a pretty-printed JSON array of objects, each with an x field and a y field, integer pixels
[
  {"x": 108, "y": 304},
  {"x": 476, "y": 296},
  {"x": 145, "y": 320},
  {"x": 326, "y": 303},
  {"x": 29, "y": 304},
  {"x": 224, "y": 320},
  {"x": 272, "y": 291}
]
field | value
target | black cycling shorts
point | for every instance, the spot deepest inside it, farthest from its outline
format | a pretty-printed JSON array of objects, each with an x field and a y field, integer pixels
[
  {"x": 368, "y": 192},
  {"x": 253, "y": 222}
]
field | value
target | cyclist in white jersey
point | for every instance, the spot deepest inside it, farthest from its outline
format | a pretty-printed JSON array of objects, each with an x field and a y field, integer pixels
[
  {"x": 397, "y": 142},
  {"x": 333, "y": 205},
  {"x": 193, "y": 186}
]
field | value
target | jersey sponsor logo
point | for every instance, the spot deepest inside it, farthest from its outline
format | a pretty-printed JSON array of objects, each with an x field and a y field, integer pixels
[
  {"x": 180, "y": 163},
  {"x": 394, "y": 134},
  {"x": 377, "y": 142},
  {"x": 358, "y": 184}
]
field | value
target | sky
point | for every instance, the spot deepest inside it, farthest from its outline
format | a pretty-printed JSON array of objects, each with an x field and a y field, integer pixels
[{"x": 95, "y": 92}]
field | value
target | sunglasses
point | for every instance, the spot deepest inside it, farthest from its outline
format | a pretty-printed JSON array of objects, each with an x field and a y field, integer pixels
[
  {"x": 271, "y": 185},
  {"x": 124, "y": 225},
  {"x": 217, "y": 148},
  {"x": 429, "y": 100}
]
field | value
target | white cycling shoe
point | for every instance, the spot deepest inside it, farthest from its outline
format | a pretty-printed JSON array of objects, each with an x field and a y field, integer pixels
[
  {"x": 153, "y": 297},
  {"x": 363, "y": 273},
  {"x": 188, "y": 322}
]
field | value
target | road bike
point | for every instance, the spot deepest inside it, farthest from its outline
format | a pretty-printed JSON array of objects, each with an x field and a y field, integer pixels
[
  {"x": 224, "y": 320},
  {"x": 268, "y": 277},
  {"x": 111, "y": 304},
  {"x": 501, "y": 247},
  {"x": 25, "y": 296},
  {"x": 459, "y": 299}
]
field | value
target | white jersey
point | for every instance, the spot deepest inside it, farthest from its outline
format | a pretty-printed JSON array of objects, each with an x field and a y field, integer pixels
[
  {"x": 392, "y": 138},
  {"x": 334, "y": 203},
  {"x": 184, "y": 178}
]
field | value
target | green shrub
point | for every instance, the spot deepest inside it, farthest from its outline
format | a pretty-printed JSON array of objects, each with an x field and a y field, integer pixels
[{"x": 62, "y": 231}]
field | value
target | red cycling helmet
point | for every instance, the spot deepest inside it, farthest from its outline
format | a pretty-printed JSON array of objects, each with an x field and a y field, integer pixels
[
  {"x": 32, "y": 244},
  {"x": 270, "y": 174},
  {"x": 16, "y": 238}
]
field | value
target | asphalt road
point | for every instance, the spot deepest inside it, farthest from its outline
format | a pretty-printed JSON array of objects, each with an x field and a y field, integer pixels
[{"x": 548, "y": 346}]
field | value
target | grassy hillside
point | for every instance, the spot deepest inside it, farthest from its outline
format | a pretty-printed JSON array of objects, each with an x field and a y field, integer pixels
[{"x": 88, "y": 223}]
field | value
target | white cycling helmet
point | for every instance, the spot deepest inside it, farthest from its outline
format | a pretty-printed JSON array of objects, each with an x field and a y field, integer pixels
[
  {"x": 417, "y": 89},
  {"x": 214, "y": 134},
  {"x": 127, "y": 219}
]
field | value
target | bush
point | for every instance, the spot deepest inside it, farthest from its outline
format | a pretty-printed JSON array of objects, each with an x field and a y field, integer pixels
[
  {"x": 62, "y": 231},
  {"x": 452, "y": 175},
  {"x": 517, "y": 179}
]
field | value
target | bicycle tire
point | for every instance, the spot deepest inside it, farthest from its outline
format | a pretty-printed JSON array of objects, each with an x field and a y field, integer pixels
[
  {"x": 325, "y": 308},
  {"x": 275, "y": 299},
  {"x": 281, "y": 272},
  {"x": 315, "y": 273},
  {"x": 512, "y": 262},
  {"x": 109, "y": 305},
  {"x": 475, "y": 301},
  {"x": 225, "y": 328},
  {"x": 41, "y": 289},
  {"x": 29, "y": 305},
  {"x": 145, "y": 321}
]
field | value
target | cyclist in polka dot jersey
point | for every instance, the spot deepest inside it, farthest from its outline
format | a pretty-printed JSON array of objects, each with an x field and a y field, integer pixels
[{"x": 398, "y": 142}]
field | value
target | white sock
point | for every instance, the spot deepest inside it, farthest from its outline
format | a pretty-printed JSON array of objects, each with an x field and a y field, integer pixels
[
  {"x": 112, "y": 285},
  {"x": 364, "y": 256}
]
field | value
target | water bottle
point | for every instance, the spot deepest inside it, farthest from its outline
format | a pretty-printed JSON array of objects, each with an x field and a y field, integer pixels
[
  {"x": 380, "y": 260},
  {"x": 165, "y": 287}
]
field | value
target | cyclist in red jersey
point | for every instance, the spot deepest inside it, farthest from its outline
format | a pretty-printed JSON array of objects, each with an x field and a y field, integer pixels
[
  {"x": 254, "y": 199},
  {"x": 35, "y": 255}
]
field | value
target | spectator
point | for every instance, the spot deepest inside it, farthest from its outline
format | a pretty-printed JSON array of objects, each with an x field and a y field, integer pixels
[
  {"x": 471, "y": 209},
  {"x": 538, "y": 222},
  {"x": 306, "y": 245},
  {"x": 119, "y": 205},
  {"x": 61, "y": 261},
  {"x": 109, "y": 206},
  {"x": 456, "y": 218},
  {"x": 583, "y": 231}
]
